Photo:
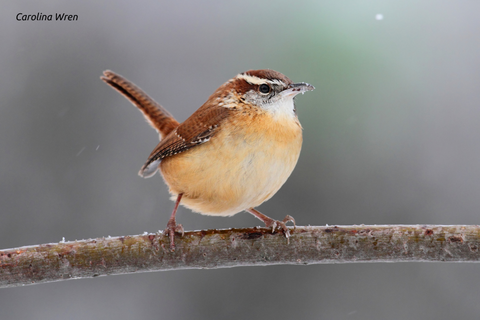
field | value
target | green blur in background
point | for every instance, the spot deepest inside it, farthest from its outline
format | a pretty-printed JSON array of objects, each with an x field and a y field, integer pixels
[{"x": 391, "y": 136}]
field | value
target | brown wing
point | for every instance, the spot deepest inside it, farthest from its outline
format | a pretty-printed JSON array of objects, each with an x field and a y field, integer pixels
[
  {"x": 199, "y": 128},
  {"x": 159, "y": 118}
]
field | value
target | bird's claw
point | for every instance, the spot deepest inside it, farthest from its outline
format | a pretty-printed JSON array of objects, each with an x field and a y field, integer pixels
[
  {"x": 275, "y": 224},
  {"x": 171, "y": 229}
]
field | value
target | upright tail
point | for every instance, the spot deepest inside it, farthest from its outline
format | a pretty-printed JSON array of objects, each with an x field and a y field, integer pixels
[{"x": 159, "y": 118}]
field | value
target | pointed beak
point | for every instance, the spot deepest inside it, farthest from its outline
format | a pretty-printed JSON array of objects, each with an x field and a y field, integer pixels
[{"x": 296, "y": 88}]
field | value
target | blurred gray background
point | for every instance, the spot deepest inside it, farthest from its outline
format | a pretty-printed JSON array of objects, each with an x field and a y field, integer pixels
[{"x": 391, "y": 137}]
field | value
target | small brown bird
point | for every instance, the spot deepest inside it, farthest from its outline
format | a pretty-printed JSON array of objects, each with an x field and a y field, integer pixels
[{"x": 232, "y": 154}]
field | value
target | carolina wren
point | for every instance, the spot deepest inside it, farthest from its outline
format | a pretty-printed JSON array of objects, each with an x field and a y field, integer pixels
[{"x": 233, "y": 153}]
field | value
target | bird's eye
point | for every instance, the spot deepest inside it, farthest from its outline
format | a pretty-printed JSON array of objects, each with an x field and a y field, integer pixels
[{"x": 264, "y": 88}]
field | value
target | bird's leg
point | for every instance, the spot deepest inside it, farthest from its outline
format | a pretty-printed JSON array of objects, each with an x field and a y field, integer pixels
[
  {"x": 172, "y": 225},
  {"x": 271, "y": 223}
]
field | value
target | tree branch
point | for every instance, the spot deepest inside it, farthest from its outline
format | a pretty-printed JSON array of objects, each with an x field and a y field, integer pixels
[{"x": 237, "y": 247}]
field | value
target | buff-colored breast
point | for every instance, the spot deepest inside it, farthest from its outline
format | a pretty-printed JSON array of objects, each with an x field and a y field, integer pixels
[{"x": 241, "y": 167}]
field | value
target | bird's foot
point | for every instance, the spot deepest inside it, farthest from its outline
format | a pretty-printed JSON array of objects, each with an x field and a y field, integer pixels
[
  {"x": 281, "y": 225},
  {"x": 274, "y": 224},
  {"x": 171, "y": 229}
]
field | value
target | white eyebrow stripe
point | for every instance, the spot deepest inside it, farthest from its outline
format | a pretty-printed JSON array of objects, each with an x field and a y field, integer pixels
[
  {"x": 258, "y": 81},
  {"x": 251, "y": 79}
]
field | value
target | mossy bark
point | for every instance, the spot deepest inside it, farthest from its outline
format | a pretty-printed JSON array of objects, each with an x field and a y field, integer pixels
[{"x": 238, "y": 247}]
